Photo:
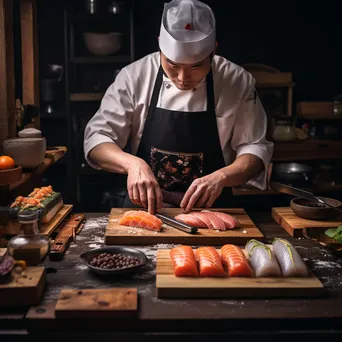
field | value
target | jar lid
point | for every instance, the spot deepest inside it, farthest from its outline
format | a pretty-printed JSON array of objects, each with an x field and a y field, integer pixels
[{"x": 28, "y": 216}]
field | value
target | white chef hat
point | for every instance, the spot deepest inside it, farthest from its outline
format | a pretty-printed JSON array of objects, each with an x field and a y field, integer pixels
[{"x": 188, "y": 31}]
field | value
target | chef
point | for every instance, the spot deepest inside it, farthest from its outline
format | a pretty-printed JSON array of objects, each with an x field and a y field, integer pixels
[{"x": 183, "y": 124}]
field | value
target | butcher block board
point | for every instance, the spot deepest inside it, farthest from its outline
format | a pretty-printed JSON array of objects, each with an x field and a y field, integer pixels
[
  {"x": 25, "y": 289},
  {"x": 294, "y": 224},
  {"x": 170, "y": 286},
  {"x": 97, "y": 303},
  {"x": 116, "y": 234}
]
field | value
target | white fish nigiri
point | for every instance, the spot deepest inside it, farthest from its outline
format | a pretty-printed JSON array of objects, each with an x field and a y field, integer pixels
[
  {"x": 262, "y": 259},
  {"x": 290, "y": 261}
]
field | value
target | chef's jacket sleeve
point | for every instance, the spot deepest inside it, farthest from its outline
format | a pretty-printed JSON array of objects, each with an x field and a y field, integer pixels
[
  {"x": 249, "y": 136},
  {"x": 113, "y": 120}
]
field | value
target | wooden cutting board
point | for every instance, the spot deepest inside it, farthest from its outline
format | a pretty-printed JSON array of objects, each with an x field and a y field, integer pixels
[
  {"x": 25, "y": 289},
  {"x": 294, "y": 224},
  {"x": 97, "y": 303},
  {"x": 116, "y": 234},
  {"x": 169, "y": 286}
]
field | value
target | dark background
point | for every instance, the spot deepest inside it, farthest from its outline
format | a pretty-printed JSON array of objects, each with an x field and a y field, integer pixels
[{"x": 301, "y": 37}]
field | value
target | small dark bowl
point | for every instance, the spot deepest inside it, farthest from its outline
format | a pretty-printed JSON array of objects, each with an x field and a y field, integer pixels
[
  {"x": 318, "y": 236},
  {"x": 88, "y": 255},
  {"x": 310, "y": 210}
]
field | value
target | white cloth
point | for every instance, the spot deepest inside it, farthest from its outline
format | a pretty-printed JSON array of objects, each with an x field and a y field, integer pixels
[
  {"x": 187, "y": 32},
  {"x": 241, "y": 122}
]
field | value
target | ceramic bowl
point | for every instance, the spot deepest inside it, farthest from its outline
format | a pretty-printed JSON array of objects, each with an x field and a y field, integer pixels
[
  {"x": 310, "y": 210},
  {"x": 102, "y": 44},
  {"x": 26, "y": 152},
  {"x": 318, "y": 236},
  {"x": 127, "y": 251}
]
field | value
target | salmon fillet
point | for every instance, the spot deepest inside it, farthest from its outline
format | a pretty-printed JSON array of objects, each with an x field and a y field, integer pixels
[
  {"x": 229, "y": 220},
  {"x": 235, "y": 260},
  {"x": 210, "y": 263},
  {"x": 191, "y": 220},
  {"x": 183, "y": 261},
  {"x": 141, "y": 219}
]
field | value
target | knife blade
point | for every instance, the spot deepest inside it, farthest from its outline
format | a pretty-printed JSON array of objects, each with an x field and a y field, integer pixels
[
  {"x": 290, "y": 190},
  {"x": 176, "y": 224},
  {"x": 67, "y": 233}
]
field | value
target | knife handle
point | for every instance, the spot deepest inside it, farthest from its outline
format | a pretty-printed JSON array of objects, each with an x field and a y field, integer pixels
[
  {"x": 66, "y": 234},
  {"x": 177, "y": 224}
]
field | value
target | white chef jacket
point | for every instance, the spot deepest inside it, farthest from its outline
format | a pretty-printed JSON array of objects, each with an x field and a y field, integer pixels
[{"x": 241, "y": 120}]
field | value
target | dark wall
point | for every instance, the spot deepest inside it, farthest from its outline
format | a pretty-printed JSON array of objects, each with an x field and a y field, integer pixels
[{"x": 298, "y": 37}]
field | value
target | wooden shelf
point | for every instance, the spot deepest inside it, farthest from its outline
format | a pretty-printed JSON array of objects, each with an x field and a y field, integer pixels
[
  {"x": 307, "y": 150},
  {"x": 320, "y": 117},
  {"x": 101, "y": 60},
  {"x": 78, "y": 97}
]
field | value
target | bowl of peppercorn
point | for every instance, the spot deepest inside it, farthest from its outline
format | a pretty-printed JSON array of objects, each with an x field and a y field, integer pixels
[
  {"x": 311, "y": 210},
  {"x": 114, "y": 260}
]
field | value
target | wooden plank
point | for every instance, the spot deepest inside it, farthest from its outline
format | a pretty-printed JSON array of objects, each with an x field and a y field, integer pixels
[
  {"x": 97, "y": 303},
  {"x": 294, "y": 224},
  {"x": 7, "y": 75},
  {"x": 49, "y": 227},
  {"x": 122, "y": 235},
  {"x": 76, "y": 97},
  {"x": 313, "y": 109},
  {"x": 29, "y": 48},
  {"x": 170, "y": 286},
  {"x": 24, "y": 289},
  {"x": 13, "y": 227}
]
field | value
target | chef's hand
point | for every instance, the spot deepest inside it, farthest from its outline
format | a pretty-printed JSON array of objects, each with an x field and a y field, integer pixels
[
  {"x": 203, "y": 191},
  {"x": 143, "y": 188}
]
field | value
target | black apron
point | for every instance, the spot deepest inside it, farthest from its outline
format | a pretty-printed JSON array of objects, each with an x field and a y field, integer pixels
[{"x": 181, "y": 146}]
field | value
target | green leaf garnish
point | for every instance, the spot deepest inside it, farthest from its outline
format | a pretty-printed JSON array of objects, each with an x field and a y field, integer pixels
[{"x": 330, "y": 232}]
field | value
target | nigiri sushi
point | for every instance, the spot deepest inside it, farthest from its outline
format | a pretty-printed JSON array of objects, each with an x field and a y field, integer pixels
[
  {"x": 262, "y": 259},
  {"x": 290, "y": 261},
  {"x": 184, "y": 261},
  {"x": 210, "y": 263},
  {"x": 235, "y": 260}
]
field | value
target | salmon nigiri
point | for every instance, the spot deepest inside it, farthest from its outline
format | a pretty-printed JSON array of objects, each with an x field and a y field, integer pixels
[
  {"x": 210, "y": 263},
  {"x": 234, "y": 258},
  {"x": 141, "y": 219},
  {"x": 184, "y": 261}
]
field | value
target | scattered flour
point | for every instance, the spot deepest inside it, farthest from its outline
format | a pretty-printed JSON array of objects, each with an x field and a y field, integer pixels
[{"x": 94, "y": 245}]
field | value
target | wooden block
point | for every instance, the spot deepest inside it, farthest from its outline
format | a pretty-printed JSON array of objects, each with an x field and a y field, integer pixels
[
  {"x": 13, "y": 227},
  {"x": 116, "y": 234},
  {"x": 24, "y": 289},
  {"x": 97, "y": 303},
  {"x": 294, "y": 224},
  {"x": 170, "y": 286}
]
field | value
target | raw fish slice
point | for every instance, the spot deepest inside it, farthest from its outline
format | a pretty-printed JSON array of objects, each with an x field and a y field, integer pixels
[
  {"x": 262, "y": 259},
  {"x": 141, "y": 219},
  {"x": 210, "y": 263},
  {"x": 211, "y": 220},
  {"x": 184, "y": 261},
  {"x": 191, "y": 220},
  {"x": 235, "y": 260},
  {"x": 290, "y": 261},
  {"x": 229, "y": 220}
]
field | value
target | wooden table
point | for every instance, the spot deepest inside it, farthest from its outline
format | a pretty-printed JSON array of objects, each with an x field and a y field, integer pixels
[{"x": 195, "y": 319}]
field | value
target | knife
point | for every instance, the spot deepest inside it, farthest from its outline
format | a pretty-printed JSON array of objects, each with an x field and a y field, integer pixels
[
  {"x": 67, "y": 232},
  {"x": 287, "y": 189},
  {"x": 176, "y": 224}
]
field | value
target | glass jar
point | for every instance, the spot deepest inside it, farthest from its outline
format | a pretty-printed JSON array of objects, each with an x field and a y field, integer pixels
[
  {"x": 337, "y": 105},
  {"x": 29, "y": 245},
  {"x": 283, "y": 129}
]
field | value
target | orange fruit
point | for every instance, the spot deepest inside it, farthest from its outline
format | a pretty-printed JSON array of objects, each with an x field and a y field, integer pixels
[{"x": 6, "y": 163}]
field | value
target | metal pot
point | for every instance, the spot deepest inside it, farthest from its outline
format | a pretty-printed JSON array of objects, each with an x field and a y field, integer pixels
[{"x": 292, "y": 173}]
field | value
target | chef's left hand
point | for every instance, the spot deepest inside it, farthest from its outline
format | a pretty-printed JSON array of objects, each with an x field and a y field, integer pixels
[{"x": 203, "y": 192}]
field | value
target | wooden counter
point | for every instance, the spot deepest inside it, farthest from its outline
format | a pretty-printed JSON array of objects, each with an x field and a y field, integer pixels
[{"x": 195, "y": 318}]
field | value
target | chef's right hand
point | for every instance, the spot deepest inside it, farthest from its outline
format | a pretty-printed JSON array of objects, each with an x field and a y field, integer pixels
[{"x": 143, "y": 188}]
